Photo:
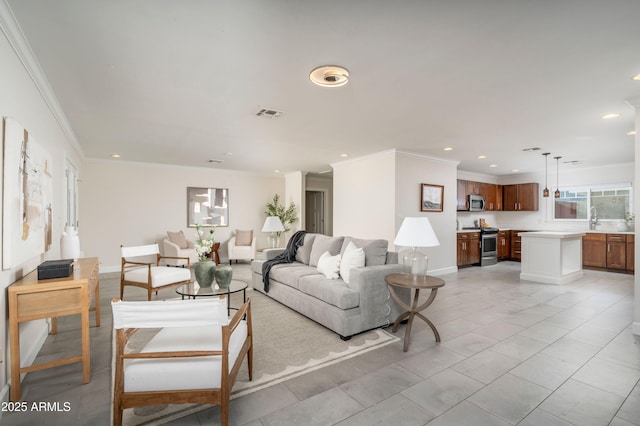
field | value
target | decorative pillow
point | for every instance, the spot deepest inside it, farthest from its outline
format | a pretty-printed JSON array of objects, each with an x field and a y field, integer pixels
[
  {"x": 178, "y": 239},
  {"x": 375, "y": 251},
  {"x": 353, "y": 257},
  {"x": 329, "y": 266},
  {"x": 303, "y": 254},
  {"x": 324, "y": 243},
  {"x": 244, "y": 238}
]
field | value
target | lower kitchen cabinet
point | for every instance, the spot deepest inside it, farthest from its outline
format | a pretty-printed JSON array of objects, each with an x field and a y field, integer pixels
[
  {"x": 594, "y": 251},
  {"x": 616, "y": 251},
  {"x": 612, "y": 252},
  {"x": 468, "y": 248},
  {"x": 504, "y": 245},
  {"x": 631, "y": 239},
  {"x": 516, "y": 246}
]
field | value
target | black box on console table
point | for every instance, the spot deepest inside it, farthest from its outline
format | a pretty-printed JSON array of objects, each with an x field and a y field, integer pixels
[{"x": 55, "y": 269}]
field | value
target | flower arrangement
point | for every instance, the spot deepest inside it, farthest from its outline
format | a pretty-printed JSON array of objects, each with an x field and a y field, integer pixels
[
  {"x": 629, "y": 218},
  {"x": 204, "y": 243}
]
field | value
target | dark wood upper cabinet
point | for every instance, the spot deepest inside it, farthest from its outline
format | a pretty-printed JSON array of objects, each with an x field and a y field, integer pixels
[{"x": 520, "y": 197}]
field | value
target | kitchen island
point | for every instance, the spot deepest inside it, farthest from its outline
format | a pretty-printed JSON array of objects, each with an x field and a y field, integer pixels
[{"x": 551, "y": 257}]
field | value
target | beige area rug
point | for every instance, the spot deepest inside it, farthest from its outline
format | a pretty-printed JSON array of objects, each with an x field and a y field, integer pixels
[{"x": 286, "y": 345}]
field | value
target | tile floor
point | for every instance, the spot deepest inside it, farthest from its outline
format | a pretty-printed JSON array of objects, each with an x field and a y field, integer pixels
[{"x": 512, "y": 352}]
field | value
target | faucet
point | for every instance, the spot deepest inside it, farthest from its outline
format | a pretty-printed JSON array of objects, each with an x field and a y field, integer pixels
[{"x": 593, "y": 220}]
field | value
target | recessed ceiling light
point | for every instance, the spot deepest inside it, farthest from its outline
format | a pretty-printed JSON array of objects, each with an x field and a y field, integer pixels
[
  {"x": 493, "y": 165},
  {"x": 276, "y": 171},
  {"x": 636, "y": 77},
  {"x": 515, "y": 170},
  {"x": 344, "y": 155},
  {"x": 448, "y": 149},
  {"x": 329, "y": 76},
  {"x": 611, "y": 115},
  {"x": 631, "y": 133},
  {"x": 481, "y": 157},
  {"x": 115, "y": 155},
  {"x": 228, "y": 153}
]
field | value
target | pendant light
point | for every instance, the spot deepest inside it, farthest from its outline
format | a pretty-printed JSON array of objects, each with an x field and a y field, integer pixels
[
  {"x": 545, "y": 191},
  {"x": 557, "y": 193}
]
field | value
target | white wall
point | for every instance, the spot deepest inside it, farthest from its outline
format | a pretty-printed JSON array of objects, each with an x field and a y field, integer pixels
[
  {"x": 23, "y": 100},
  {"x": 124, "y": 203},
  {"x": 412, "y": 171},
  {"x": 364, "y": 196}
]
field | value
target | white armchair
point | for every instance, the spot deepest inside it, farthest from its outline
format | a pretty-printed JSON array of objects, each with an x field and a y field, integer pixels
[
  {"x": 242, "y": 246},
  {"x": 177, "y": 246},
  {"x": 194, "y": 358}
]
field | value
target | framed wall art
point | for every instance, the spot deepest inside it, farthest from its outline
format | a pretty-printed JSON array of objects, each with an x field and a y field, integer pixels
[
  {"x": 207, "y": 207},
  {"x": 431, "y": 198}
]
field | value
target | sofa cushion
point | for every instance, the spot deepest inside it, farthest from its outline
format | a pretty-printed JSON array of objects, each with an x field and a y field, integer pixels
[
  {"x": 178, "y": 239},
  {"x": 290, "y": 273},
  {"x": 329, "y": 266},
  {"x": 304, "y": 251},
  {"x": 333, "y": 292},
  {"x": 324, "y": 243},
  {"x": 375, "y": 251},
  {"x": 244, "y": 238},
  {"x": 353, "y": 257}
]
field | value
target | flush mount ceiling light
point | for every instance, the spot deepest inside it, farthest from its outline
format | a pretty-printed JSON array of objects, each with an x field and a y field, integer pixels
[
  {"x": 610, "y": 116},
  {"x": 329, "y": 76}
]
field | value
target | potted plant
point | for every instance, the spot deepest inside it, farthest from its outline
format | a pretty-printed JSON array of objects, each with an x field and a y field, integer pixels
[
  {"x": 286, "y": 215},
  {"x": 205, "y": 269}
]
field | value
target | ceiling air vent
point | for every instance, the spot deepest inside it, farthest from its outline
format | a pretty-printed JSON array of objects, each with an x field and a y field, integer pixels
[
  {"x": 215, "y": 161},
  {"x": 269, "y": 113},
  {"x": 532, "y": 149}
]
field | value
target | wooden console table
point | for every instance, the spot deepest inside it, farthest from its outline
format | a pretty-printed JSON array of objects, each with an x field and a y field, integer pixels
[
  {"x": 30, "y": 299},
  {"x": 413, "y": 283}
]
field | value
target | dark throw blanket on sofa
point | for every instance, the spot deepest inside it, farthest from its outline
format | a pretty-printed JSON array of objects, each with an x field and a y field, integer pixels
[{"x": 287, "y": 256}]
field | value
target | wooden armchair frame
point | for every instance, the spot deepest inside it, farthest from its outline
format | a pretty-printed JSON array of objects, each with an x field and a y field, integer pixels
[
  {"x": 149, "y": 250},
  {"x": 219, "y": 396}
]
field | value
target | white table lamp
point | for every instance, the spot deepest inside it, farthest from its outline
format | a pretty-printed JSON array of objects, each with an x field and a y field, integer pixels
[
  {"x": 274, "y": 225},
  {"x": 416, "y": 232}
]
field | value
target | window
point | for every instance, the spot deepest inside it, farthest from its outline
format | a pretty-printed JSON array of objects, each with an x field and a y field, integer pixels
[{"x": 606, "y": 202}]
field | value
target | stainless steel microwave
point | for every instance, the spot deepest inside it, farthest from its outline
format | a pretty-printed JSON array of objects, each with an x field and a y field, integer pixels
[{"x": 476, "y": 203}]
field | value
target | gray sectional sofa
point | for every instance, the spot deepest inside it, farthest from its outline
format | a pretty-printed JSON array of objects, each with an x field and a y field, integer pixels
[{"x": 346, "y": 308}]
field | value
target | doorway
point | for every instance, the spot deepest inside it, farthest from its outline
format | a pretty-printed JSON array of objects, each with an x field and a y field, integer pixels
[{"x": 314, "y": 212}]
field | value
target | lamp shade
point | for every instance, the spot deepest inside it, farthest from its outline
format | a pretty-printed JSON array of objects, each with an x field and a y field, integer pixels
[
  {"x": 272, "y": 224},
  {"x": 416, "y": 232}
]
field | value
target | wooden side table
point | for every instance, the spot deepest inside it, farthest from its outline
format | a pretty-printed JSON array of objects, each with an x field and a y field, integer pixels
[
  {"x": 31, "y": 299},
  {"x": 413, "y": 283}
]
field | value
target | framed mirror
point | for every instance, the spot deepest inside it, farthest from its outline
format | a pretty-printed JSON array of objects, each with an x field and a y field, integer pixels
[{"x": 207, "y": 207}]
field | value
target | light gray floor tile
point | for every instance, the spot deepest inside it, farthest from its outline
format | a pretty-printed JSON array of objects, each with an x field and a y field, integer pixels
[
  {"x": 397, "y": 411},
  {"x": 322, "y": 380},
  {"x": 525, "y": 318},
  {"x": 571, "y": 350},
  {"x": 582, "y": 404},
  {"x": 544, "y": 332},
  {"x": 486, "y": 366},
  {"x": 519, "y": 347},
  {"x": 564, "y": 321},
  {"x": 622, "y": 353},
  {"x": 630, "y": 410},
  {"x": 469, "y": 344},
  {"x": 591, "y": 335},
  {"x": 327, "y": 408},
  {"x": 608, "y": 376},
  {"x": 466, "y": 414},
  {"x": 510, "y": 397},
  {"x": 540, "y": 417},
  {"x": 453, "y": 329},
  {"x": 546, "y": 371},
  {"x": 442, "y": 391},
  {"x": 430, "y": 362},
  {"x": 499, "y": 330},
  {"x": 380, "y": 385},
  {"x": 617, "y": 421}
]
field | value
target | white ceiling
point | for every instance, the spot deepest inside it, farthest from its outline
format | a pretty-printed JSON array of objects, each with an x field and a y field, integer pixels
[{"x": 180, "y": 82}]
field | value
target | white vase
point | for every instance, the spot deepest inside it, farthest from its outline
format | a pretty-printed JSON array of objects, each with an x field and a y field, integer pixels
[{"x": 70, "y": 243}]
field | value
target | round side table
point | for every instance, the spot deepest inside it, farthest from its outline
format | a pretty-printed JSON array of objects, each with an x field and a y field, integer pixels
[{"x": 415, "y": 283}]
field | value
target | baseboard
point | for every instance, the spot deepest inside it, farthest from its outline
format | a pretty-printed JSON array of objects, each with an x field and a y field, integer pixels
[
  {"x": 442, "y": 271},
  {"x": 107, "y": 269}
]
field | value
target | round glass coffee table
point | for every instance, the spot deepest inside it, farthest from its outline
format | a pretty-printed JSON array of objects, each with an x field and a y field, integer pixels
[{"x": 193, "y": 291}]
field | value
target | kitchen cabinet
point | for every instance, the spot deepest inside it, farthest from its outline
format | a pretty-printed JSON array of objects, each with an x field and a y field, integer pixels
[
  {"x": 616, "y": 251},
  {"x": 504, "y": 245},
  {"x": 594, "y": 250},
  {"x": 516, "y": 246},
  {"x": 520, "y": 197},
  {"x": 490, "y": 192},
  {"x": 468, "y": 248},
  {"x": 631, "y": 252},
  {"x": 462, "y": 196}
]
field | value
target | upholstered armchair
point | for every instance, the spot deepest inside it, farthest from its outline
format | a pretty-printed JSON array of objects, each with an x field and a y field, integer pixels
[
  {"x": 177, "y": 246},
  {"x": 242, "y": 246},
  {"x": 194, "y": 358}
]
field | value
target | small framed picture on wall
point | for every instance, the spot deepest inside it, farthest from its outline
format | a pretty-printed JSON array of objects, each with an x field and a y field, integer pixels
[{"x": 431, "y": 197}]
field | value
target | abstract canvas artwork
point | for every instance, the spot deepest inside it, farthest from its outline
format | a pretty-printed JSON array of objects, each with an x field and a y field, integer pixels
[{"x": 27, "y": 195}]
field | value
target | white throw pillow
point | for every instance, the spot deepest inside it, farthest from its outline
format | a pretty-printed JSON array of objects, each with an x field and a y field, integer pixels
[
  {"x": 329, "y": 266},
  {"x": 353, "y": 257}
]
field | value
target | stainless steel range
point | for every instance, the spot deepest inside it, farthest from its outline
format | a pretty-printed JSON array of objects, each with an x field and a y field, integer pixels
[{"x": 488, "y": 246}]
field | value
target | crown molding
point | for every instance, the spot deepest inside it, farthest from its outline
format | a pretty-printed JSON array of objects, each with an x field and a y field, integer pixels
[{"x": 11, "y": 29}]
